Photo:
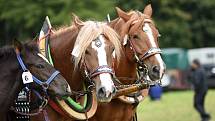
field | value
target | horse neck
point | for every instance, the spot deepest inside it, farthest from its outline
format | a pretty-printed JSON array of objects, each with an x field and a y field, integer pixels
[
  {"x": 10, "y": 83},
  {"x": 61, "y": 44},
  {"x": 130, "y": 69}
]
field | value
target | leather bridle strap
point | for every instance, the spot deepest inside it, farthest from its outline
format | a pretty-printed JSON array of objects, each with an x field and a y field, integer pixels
[
  {"x": 150, "y": 52},
  {"x": 134, "y": 50},
  {"x": 100, "y": 70}
]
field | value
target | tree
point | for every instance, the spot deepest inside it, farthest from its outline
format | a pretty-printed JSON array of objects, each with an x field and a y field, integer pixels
[
  {"x": 182, "y": 23},
  {"x": 24, "y": 18}
]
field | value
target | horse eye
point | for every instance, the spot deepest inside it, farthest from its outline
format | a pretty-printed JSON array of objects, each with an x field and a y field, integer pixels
[
  {"x": 136, "y": 37},
  {"x": 87, "y": 52},
  {"x": 40, "y": 66},
  {"x": 113, "y": 49}
]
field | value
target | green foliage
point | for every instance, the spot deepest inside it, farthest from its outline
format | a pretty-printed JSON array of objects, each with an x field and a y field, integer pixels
[
  {"x": 182, "y": 23},
  {"x": 24, "y": 18}
]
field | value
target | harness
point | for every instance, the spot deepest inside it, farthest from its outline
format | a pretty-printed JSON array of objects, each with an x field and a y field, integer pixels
[
  {"x": 142, "y": 72},
  {"x": 22, "y": 104},
  {"x": 69, "y": 107}
]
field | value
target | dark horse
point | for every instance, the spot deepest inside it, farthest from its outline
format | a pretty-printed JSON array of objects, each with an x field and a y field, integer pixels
[
  {"x": 81, "y": 51},
  {"x": 12, "y": 61},
  {"x": 139, "y": 39}
]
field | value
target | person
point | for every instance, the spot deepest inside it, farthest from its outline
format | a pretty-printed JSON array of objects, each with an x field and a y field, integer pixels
[{"x": 198, "y": 79}]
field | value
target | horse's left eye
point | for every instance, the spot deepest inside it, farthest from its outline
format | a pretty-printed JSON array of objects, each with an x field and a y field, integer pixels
[
  {"x": 40, "y": 66},
  {"x": 113, "y": 49}
]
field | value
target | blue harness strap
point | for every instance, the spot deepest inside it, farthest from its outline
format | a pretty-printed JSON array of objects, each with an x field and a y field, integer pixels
[
  {"x": 36, "y": 80},
  {"x": 50, "y": 79},
  {"x": 21, "y": 63}
]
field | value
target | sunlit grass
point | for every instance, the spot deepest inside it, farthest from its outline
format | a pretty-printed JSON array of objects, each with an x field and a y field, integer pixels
[{"x": 174, "y": 106}]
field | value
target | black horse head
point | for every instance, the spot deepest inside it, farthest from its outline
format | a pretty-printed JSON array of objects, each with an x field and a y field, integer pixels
[{"x": 11, "y": 73}]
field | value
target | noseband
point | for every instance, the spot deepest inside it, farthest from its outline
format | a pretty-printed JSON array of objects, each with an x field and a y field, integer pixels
[{"x": 99, "y": 70}]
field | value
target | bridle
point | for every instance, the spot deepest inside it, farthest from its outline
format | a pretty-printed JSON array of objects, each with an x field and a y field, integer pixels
[
  {"x": 99, "y": 70},
  {"x": 147, "y": 54},
  {"x": 150, "y": 52},
  {"x": 43, "y": 84},
  {"x": 142, "y": 68}
]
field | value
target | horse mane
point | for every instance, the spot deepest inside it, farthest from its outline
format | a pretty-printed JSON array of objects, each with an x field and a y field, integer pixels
[
  {"x": 9, "y": 50},
  {"x": 6, "y": 51},
  {"x": 89, "y": 32}
]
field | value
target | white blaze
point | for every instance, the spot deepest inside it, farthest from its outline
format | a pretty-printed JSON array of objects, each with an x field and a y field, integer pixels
[
  {"x": 149, "y": 33},
  {"x": 105, "y": 78}
]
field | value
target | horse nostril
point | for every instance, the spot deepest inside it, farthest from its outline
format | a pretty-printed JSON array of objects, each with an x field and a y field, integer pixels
[
  {"x": 156, "y": 69},
  {"x": 101, "y": 92}
]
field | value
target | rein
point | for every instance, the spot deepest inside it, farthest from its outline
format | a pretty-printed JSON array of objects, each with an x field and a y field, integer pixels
[{"x": 43, "y": 84}]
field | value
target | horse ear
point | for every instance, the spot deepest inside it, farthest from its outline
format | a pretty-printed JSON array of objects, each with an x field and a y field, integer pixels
[
  {"x": 77, "y": 21},
  {"x": 148, "y": 10},
  {"x": 17, "y": 45},
  {"x": 122, "y": 14},
  {"x": 35, "y": 41}
]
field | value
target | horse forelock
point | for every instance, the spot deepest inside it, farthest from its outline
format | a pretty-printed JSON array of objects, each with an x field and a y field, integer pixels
[
  {"x": 89, "y": 32},
  {"x": 137, "y": 19}
]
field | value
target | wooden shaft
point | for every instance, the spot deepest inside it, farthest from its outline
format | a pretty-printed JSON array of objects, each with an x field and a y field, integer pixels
[{"x": 128, "y": 90}]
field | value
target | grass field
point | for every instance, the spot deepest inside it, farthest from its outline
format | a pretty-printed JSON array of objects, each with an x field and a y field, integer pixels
[{"x": 174, "y": 106}]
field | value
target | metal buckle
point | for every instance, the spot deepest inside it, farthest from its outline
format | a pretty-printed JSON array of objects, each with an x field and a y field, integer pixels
[{"x": 45, "y": 86}]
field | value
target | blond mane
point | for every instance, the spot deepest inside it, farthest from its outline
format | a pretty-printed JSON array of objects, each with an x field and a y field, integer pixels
[{"x": 89, "y": 32}]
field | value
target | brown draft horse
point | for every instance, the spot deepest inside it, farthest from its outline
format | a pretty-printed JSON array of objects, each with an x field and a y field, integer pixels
[
  {"x": 139, "y": 38},
  {"x": 91, "y": 43},
  {"x": 11, "y": 74}
]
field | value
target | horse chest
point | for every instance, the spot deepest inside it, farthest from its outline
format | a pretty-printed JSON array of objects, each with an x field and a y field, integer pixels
[{"x": 114, "y": 111}]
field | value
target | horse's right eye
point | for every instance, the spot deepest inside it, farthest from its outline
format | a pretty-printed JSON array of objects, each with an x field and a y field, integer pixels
[{"x": 40, "y": 66}]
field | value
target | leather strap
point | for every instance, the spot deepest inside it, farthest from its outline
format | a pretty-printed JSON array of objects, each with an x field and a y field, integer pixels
[{"x": 57, "y": 108}]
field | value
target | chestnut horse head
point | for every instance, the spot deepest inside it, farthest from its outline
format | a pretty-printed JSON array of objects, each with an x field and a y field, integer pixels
[
  {"x": 93, "y": 49},
  {"x": 140, "y": 34}
]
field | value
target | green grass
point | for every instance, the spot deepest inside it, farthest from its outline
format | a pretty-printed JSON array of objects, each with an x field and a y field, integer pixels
[{"x": 174, "y": 106}]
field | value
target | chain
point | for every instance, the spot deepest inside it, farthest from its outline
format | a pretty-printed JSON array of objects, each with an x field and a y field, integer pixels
[{"x": 142, "y": 79}]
